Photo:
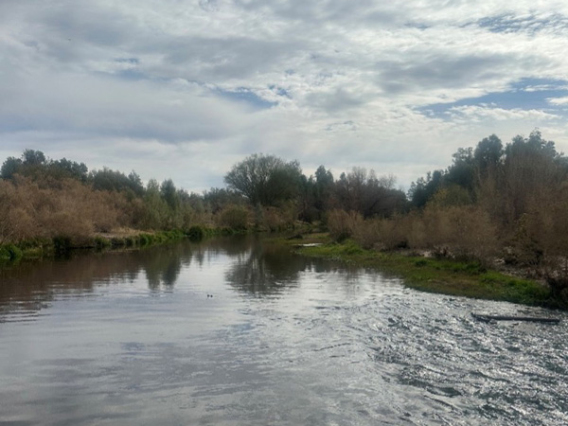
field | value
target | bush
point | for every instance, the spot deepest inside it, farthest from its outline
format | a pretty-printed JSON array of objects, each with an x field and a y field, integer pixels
[
  {"x": 101, "y": 243},
  {"x": 234, "y": 217},
  {"x": 144, "y": 239},
  {"x": 342, "y": 224},
  {"x": 62, "y": 244},
  {"x": 196, "y": 233},
  {"x": 4, "y": 254}
]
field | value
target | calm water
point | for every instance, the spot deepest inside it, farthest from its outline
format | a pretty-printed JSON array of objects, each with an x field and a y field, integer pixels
[{"x": 135, "y": 339}]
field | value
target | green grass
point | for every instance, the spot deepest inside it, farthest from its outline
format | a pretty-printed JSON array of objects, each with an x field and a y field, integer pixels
[
  {"x": 450, "y": 277},
  {"x": 38, "y": 248}
]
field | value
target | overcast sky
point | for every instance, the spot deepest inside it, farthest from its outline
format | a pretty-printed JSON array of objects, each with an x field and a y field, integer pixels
[{"x": 183, "y": 89}]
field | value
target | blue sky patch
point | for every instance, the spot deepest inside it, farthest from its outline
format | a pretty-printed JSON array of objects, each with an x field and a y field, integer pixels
[
  {"x": 513, "y": 24},
  {"x": 525, "y": 94},
  {"x": 245, "y": 95}
]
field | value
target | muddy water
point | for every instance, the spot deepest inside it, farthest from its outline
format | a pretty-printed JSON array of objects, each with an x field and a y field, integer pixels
[{"x": 240, "y": 332}]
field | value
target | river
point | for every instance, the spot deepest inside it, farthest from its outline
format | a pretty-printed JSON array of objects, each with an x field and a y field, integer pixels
[{"x": 238, "y": 331}]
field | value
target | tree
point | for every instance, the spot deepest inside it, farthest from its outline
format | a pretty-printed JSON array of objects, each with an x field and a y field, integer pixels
[
  {"x": 33, "y": 158},
  {"x": 10, "y": 167},
  {"x": 169, "y": 194},
  {"x": 423, "y": 190},
  {"x": 488, "y": 154},
  {"x": 265, "y": 179}
]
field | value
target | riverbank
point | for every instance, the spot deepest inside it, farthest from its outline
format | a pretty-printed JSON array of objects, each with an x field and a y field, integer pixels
[
  {"x": 445, "y": 276},
  {"x": 119, "y": 239}
]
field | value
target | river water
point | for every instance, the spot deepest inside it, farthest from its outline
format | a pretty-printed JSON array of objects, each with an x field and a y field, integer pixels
[{"x": 239, "y": 331}]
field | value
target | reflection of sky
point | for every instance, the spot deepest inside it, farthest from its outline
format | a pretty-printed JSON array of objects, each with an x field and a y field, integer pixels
[{"x": 336, "y": 345}]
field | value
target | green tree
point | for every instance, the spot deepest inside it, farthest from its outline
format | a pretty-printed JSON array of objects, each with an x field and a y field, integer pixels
[
  {"x": 488, "y": 154},
  {"x": 31, "y": 157},
  {"x": 10, "y": 167},
  {"x": 169, "y": 194},
  {"x": 265, "y": 179}
]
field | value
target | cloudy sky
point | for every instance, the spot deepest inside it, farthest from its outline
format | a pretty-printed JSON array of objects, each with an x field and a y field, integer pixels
[{"x": 183, "y": 89}]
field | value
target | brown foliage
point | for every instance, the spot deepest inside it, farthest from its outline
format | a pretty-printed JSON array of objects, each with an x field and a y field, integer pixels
[
  {"x": 342, "y": 224},
  {"x": 233, "y": 217},
  {"x": 69, "y": 208}
]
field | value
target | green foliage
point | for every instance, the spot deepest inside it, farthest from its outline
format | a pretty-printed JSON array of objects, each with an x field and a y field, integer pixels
[
  {"x": 10, "y": 167},
  {"x": 450, "y": 196},
  {"x": 102, "y": 243},
  {"x": 441, "y": 276},
  {"x": 4, "y": 254},
  {"x": 31, "y": 157},
  {"x": 145, "y": 239},
  {"x": 265, "y": 179},
  {"x": 15, "y": 252},
  {"x": 169, "y": 194},
  {"x": 114, "y": 180},
  {"x": 62, "y": 244},
  {"x": 35, "y": 164},
  {"x": 196, "y": 233}
]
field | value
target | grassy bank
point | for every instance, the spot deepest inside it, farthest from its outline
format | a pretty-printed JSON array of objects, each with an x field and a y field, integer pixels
[
  {"x": 444, "y": 276},
  {"x": 124, "y": 239}
]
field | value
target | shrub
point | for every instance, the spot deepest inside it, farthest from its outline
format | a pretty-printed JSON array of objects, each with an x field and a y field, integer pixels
[
  {"x": 144, "y": 239},
  {"x": 234, "y": 217},
  {"x": 342, "y": 224},
  {"x": 465, "y": 231},
  {"x": 196, "y": 233},
  {"x": 15, "y": 252},
  {"x": 101, "y": 243},
  {"x": 62, "y": 244},
  {"x": 4, "y": 254}
]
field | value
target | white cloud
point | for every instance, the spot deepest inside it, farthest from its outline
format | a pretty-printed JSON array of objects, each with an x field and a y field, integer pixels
[
  {"x": 154, "y": 85},
  {"x": 558, "y": 101}
]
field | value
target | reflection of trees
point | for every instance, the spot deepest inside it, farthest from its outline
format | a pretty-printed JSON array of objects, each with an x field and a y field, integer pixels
[
  {"x": 164, "y": 266},
  {"x": 260, "y": 267},
  {"x": 30, "y": 287},
  {"x": 266, "y": 269}
]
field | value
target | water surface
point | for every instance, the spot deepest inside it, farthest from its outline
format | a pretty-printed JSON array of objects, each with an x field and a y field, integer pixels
[{"x": 238, "y": 331}]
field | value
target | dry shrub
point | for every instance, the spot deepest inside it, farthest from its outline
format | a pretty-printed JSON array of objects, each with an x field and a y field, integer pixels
[
  {"x": 276, "y": 218},
  {"x": 416, "y": 230},
  {"x": 234, "y": 217},
  {"x": 342, "y": 224},
  {"x": 367, "y": 233},
  {"x": 273, "y": 219},
  {"x": 104, "y": 210},
  {"x": 68, "y": 209},
  {"x": 68, "y": 224},
  {"x": 465, "y": 232},
  {"x": 21, "y": 224},
  {"x": 390, "y": 234}
]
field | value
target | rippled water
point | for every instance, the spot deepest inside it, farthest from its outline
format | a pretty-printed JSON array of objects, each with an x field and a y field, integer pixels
[{"x": 136, "y": 338}]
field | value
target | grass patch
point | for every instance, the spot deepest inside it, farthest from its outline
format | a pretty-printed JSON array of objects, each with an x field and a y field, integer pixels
[{"x": 443, "y": 276}]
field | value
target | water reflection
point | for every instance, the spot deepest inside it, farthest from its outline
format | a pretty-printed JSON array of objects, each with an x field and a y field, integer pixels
[
  {"x": 265, "y": 269},
  {"x": 131, "y": 338},
  {"x": 255, "y": 266},
  {"x": 163, "y": 267},
  {"x": 30, "y": 287}
]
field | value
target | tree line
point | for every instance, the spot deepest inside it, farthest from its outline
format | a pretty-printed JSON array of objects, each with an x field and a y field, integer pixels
[{"x": 493, "y": 200}]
